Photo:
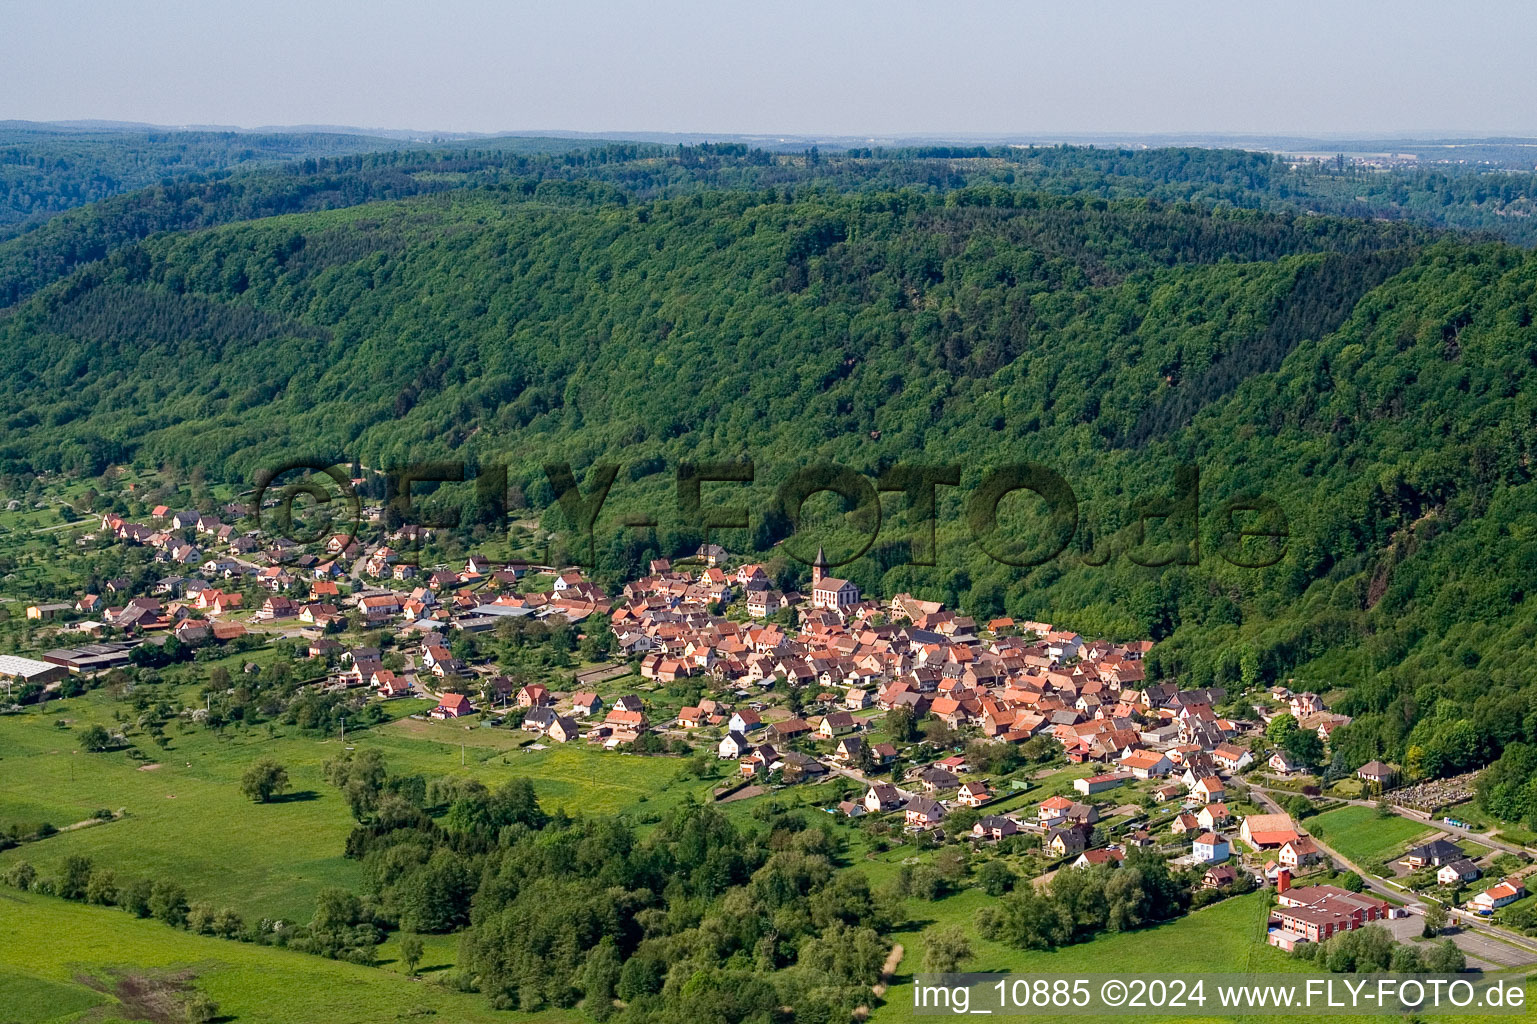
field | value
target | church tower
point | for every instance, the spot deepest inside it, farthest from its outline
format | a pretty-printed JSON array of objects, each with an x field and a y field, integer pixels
[{"x": 819, "y": 567}]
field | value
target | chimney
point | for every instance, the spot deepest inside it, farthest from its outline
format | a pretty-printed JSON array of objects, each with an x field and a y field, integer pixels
[{"x": 1283, "y": 881}]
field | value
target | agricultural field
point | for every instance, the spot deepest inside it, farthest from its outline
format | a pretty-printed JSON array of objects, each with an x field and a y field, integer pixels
[
  {"x": 64, "y": 961},
  {"x": 1360, "y": 834}
]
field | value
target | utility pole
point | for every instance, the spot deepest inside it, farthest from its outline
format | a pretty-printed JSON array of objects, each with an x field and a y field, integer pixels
[{"x": 344, "y": 731}]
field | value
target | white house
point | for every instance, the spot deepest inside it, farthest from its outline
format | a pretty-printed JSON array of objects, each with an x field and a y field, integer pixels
[
  {"x": 1231, "y": 758},
  {"x": 1283, "y": 763},
  {"x": 1210, "y": 848},
  {"x": 1299, "y": 852},
  {"x": 733, "y": 746},
  {"x": 882, "y": 796},
  {"x": 1053, "y": 811},
  {"x": 1213, "y": 816},
  {"x": 1146, "y": 764},
  {"x": 1497, "y": 896},
  {"x": 744, "y": 721},
  {"x": 1452, "y": 872},
  {"x": 1209, "y": 790}
]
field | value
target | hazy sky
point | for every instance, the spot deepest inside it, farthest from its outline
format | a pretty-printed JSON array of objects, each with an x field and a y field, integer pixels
[{"x": 830, "y": 67}]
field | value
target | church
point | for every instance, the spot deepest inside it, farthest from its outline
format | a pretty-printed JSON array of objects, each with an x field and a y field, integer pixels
[{"x": 829, "y": 591}]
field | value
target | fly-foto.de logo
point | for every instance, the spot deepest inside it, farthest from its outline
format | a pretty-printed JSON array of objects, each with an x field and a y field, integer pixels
[{"x": 303, "y": 503}]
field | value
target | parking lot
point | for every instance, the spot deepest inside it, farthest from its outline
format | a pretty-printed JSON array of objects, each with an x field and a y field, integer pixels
[{"x": 1482, "y": 951}]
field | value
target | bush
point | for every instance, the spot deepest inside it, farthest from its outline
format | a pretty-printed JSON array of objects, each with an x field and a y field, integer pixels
[
  {"x": 75, "y": 877},
  {"x": 135, "y": 897},
  {"x": 945, "y": 949},
  {"x": 95, "y": 739},
  {"x": 1406, "y": 960},
  {"x": 411, "y": 952},
  {"x": 1205, "y": 897},
  {"x": 102, "y": 889},
  {"x": 199, "y": 1009},
  {"x": 228, "y": 924},
  {"x": 641, "y": 975},
  {"x": 1508, "y": 863},
  {"x": 997, "y": 877},
  {"x": 200, "y": 917},
  {"x": 1299, "y": 807},
  {"x": 264, "y": 780},
  {"x": 168, "y": 903},
  {"x": 1445, "y": 958},
  {"x": 21, "y": 875}
]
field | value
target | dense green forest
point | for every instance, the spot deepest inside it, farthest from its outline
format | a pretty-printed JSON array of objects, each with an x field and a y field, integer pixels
[
  {"x": 45, "y": 170},
  {"x": 1112, "y": 315},
  {"x": 1497, "y": 203}
]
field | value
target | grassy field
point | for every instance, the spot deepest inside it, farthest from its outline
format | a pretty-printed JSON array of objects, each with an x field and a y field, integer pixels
[
  {"x": 186, "y": 818},
  {"x": 1480, "y": 820},
  {"x": 1225, "y": 938},
  {"x": 1367, "y": 839},
  {"x": 50, "y": 949},
  {"x": 33, "y": 1000}
]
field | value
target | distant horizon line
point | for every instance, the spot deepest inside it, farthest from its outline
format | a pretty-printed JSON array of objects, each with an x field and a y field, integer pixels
[{"x": 1422, "y": 136}]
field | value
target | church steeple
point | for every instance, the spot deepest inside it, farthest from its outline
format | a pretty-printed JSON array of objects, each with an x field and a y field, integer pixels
[{"x": 819, "y": 567}]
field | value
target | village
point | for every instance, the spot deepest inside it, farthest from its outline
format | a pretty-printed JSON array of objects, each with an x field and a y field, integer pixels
[{"x": 937, "y": 728}]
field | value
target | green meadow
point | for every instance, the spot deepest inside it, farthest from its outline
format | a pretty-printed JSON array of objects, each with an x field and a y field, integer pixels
[
  {"x": 1365, "y": 837},
  {"x": 1224, "y": 938},
  {"x": 64, "y": 961},
  {"x": 1227, "y": 937},
  {"x": 186, "y": 819}
]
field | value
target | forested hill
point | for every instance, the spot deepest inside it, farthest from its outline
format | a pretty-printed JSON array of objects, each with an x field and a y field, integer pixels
[
  {"x": 1373, "y": 378},
  {"x": 47, "y": 169},
  {"x": 51, "y": 172}
]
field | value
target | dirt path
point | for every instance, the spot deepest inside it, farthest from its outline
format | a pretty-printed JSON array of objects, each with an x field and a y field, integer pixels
[
  {"x": 87, "y": 823},
  {"x": 888, "y": 971}
]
